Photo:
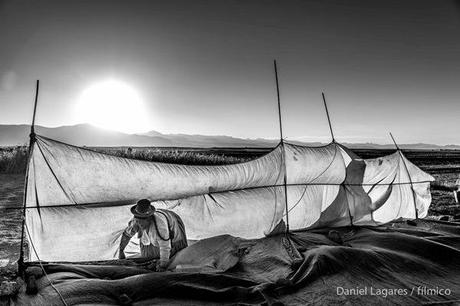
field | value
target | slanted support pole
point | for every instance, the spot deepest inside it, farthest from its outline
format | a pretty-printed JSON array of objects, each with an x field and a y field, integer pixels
[
  {"x": 408, "y": 175},
  {"x": 282, "y": 146},
  {"x": 32, "y": 127},
  {"x": 333, "y": 141},
  {"x": 394, "y": 141},
  {"x": 279, "y": 102},
  {"x": 328, "y": 118},
  {"x": 21, "y": 268}
]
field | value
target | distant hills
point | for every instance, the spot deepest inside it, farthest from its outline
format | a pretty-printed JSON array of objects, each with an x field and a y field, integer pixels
[
  {"x": 88, "y": 135},
  {"x": 91, "y": 136}
]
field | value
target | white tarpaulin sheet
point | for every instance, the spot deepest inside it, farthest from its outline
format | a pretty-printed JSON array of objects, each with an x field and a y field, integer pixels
[{"x": 78, "y": 200}]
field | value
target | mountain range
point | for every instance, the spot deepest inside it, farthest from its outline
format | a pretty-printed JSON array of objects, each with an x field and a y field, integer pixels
[{"x": 91, "y": 136}]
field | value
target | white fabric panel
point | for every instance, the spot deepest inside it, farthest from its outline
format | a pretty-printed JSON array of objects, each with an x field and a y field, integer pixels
[
  {"x": 347, "y": 158},
  {"x": 382, "y": 170},
  {"x": 323, "y": 167},
  {"x": 337, "y": 214},
  {"x": 396, "y": 201},
  {"x": 93, "y": 233},
  {"x": 306, "y": 203},
  {"x": 251, "y": 213},
  {"x": 399, "y": 201},
  {"x": 386, "y": 198},
  {"x": 42, "y": 183},
  {"x": 423, "y": 198},
  {"x": 76, "y": 234},
  {"x": 314, "y": 165},
  {"x": 421, "y": 190},
  {"x": 359, "y": 205},
  {"x": 90, "y": 177}
]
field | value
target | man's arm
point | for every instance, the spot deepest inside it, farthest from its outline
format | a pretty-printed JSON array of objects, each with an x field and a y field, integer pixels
[
  {"x": 123, "y": 243},
  {"x": 164, "y": 245},
  {"x": 126, "y": 237}
]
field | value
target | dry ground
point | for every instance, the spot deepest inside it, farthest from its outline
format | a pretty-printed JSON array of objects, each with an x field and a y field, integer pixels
[{"x": 11, "y": 190}]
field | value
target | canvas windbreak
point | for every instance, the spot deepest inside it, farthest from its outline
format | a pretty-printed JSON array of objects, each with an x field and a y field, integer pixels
[{"x": 78, "y": 200}]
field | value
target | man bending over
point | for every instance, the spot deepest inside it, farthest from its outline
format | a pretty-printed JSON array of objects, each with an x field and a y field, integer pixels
[{"x": 161, "y": 233}]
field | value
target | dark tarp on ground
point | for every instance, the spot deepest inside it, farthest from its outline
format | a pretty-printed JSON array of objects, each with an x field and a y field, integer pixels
[{"x": 305, "y": 269}]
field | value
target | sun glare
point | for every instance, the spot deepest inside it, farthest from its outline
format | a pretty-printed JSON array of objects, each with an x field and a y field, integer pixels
[{"x": 113, "y": 105}]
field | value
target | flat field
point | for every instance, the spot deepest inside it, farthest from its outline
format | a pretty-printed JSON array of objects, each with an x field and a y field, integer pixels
[{"x": 443, "y": 165}]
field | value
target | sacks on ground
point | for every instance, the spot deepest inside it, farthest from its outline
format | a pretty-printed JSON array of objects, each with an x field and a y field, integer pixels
[
  {"x": 264, "y": 260},
  {"x": 215, "y": 254}
]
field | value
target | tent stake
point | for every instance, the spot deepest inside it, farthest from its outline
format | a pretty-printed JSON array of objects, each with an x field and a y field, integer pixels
[
  {"x": 408, "y": 175},
  {"x": 282, "y": 146},
  {"x": 328, "y": 118},
  {"x": 29, "y": 155}
]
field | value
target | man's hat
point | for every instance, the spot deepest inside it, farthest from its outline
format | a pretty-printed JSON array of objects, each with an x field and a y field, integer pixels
[{"x": 143, "y": 209}]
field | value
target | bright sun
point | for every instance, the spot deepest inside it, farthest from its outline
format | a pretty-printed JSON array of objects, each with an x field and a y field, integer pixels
[{"x": 113, "y": 105}]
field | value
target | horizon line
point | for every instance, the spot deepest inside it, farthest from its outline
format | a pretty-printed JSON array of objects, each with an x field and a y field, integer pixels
[{"x": 269, "y": 139}]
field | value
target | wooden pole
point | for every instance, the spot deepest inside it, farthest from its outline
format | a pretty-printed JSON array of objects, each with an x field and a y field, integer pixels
[
  {"x": 279, "y": 101},
  {"x": 408, "y": 175},
  {"x": 394, "y": 141},
  {"x": 32, "y": 127},
  {"x": 29, "y": 154},
  {"x": 333, "y": 141},
  {"x": 328, "y": 118},
  {"x": 282, "y": 146}
]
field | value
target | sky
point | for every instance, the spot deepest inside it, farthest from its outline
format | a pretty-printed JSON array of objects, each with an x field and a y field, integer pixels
[{"x": 206, "y": 67}]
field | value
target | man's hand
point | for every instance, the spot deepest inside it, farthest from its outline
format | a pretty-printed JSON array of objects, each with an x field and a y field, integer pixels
[
  {"x": 152, "y": 266},
  {"x": 121, "y": 255},
  {"x": 161, "y": 266}
]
